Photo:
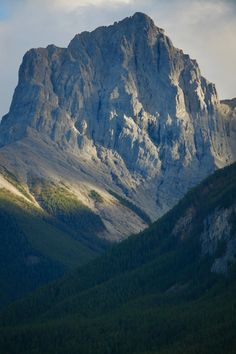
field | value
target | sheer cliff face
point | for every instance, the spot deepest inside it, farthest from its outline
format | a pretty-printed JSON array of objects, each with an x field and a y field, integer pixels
[{"x": 124, "y": 99}]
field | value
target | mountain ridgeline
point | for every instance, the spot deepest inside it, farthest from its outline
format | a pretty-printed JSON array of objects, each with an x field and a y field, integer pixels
[
  {"x": 102, "y": 138},
  {"x": 169, "y": 289},
  {"x": 122, "y": 110}
]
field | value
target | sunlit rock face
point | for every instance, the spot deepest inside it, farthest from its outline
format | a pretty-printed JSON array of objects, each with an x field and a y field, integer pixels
[
  {"x": 218, "y": 230},
  {"x": 127, "y": 105}
]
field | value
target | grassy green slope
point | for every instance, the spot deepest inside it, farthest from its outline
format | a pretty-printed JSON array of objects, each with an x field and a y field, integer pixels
[
  {"x": 43, "y": 235},
  {"x": 80, "y": 221},
  {"x": 35, "y": 248},
  {"x": 151, "y": 294}
]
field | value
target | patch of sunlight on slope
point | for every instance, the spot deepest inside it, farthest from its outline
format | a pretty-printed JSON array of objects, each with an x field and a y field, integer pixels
[{"x": 42, "y": 235}]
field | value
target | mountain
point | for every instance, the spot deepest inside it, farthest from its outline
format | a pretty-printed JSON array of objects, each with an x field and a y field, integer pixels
[
  {"x": 169, "y": 289},
  {"x": 122, "y": 113},
  {"x": 102, "y": 138},
  {"x": 39, "y": 245}
]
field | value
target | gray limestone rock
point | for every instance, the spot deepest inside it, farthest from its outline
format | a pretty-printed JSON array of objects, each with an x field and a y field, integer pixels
[
  {"x": 122, "y": 108},
  {"x": 218, "y": 233}
]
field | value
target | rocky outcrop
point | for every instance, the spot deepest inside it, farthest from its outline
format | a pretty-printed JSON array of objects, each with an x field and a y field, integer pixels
[
  {"x": 227, "y": 110},
  {"x": 218, "y": 237},
  {"x": 122, "y": 108}
]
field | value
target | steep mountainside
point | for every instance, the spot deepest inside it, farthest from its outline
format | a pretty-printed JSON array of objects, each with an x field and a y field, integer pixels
[
  {"x": 122, "y": 111},
  {"x": 170, "y": 289},
  {"x": 38, "y": 245},
  {"x": 228, "y": 111}
]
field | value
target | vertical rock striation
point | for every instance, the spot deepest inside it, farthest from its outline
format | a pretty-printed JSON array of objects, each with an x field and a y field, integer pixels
[{"x": 123, "y": 100}]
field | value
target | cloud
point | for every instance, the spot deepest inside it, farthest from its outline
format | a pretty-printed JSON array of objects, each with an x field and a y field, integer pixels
[
  {"x": 73, "y": 4},
  {"x": 205, "y": 29}
]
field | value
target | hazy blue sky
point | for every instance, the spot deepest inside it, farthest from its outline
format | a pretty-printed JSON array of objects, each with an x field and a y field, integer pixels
[{"x": 205, "y": 29}]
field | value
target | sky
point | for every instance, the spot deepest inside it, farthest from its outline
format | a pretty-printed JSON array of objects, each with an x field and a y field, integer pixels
[{"x": 205, "y": 29}]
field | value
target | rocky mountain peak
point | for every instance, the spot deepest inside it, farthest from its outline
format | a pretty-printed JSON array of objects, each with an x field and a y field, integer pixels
[
  {"x": 141, "y": 21},
  {"x": 124, "y": 101}
]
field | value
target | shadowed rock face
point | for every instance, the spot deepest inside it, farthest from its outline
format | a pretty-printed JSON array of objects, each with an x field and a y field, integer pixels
[{"x": 133, "y": 111}]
